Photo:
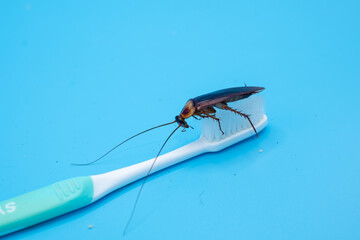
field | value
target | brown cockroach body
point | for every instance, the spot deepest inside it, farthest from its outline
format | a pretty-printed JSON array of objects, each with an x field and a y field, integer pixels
[{"x": 204, "y": 106}]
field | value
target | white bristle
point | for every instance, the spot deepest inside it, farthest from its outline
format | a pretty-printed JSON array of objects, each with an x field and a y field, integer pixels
[{"x": 232, "y": 123}]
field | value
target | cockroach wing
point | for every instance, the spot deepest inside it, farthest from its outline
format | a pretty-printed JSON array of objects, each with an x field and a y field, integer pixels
[{"x": 224, "y": 96}]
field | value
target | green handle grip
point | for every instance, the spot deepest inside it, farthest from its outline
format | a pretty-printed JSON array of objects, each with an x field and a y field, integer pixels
[{"x": 45, "y": 203}]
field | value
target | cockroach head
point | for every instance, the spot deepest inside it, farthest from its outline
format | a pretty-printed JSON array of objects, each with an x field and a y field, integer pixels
[{"x": 180, "y": 120}]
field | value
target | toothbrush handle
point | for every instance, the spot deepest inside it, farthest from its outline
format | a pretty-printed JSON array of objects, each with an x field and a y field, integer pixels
[{"x": 45, "y": 203}]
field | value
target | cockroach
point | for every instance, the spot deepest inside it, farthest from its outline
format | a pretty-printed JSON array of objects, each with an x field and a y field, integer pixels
[{"x": 203, "y": 106}]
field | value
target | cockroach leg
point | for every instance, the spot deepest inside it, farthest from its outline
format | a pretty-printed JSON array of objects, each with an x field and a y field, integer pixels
[
  {"x": 195, "y": 117},
  {"x": 226, "y": 107},
  {"x": 211, "y": 116}
]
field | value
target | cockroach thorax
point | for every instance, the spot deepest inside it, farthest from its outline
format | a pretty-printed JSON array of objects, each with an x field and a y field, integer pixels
[{"x": 188, "y": 110}]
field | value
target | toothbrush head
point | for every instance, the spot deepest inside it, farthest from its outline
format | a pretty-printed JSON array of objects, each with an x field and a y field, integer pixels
[{"x": 236, "y": 127}]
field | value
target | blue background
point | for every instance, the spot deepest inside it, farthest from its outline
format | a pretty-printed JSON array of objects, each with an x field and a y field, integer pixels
[{"x": 79, "y": 77}]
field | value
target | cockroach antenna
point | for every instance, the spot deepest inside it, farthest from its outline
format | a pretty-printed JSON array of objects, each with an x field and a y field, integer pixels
[
  {"x": 88, "y": 163},
  {"x": 146, "y": 177}
]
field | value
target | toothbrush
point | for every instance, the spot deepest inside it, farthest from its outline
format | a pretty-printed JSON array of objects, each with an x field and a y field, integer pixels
[{"x": 74, "y": 193}]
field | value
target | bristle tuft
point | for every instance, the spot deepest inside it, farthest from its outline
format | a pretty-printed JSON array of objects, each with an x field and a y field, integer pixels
[{"x": 232, "y": 123}]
